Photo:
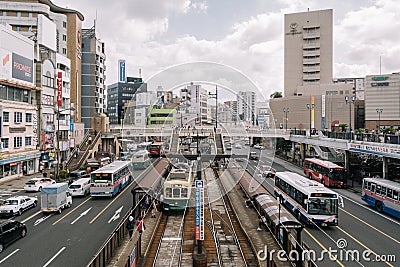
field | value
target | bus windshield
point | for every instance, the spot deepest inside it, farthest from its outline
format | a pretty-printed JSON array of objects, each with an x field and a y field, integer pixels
[
  {"x": 101, "y": 178},
  {"x": 337, "y": 174},
  {"x": 322, "y": 206}
]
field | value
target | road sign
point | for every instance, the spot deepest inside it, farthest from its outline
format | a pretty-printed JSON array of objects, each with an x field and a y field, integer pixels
[{"x": 199, "y": 214}]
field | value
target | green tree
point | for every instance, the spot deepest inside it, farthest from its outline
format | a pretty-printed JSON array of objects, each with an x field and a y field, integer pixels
[
  {"x": 276, "y": 95},
  {"x": 343, "y": 127},
  {"x": 389, "y": 130}
]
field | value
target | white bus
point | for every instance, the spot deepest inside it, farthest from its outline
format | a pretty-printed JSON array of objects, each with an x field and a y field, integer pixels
[
  {"x": 310, "y": 201},
  {"x": 110, "y": 179},
  {"x": 141, "y": 160},
  {"x": 382, "y": 194}
]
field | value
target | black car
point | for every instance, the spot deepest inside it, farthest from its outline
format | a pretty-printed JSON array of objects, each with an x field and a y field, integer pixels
[{"x": 10, "y": 231}]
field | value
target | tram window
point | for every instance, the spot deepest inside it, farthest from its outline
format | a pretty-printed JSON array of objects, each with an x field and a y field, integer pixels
[
  {"x": 395, "y": 195},
  {"x": 389, "y": 193},
  {"x": 168, "y": 192},
  {"x": 176, "y": 192},
  {"x": 378, "y": 189},
  {"x": 184, "y": 192}
]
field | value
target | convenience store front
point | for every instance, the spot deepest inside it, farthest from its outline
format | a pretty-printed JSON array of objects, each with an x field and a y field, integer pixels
[{"x": 18, "y": 164}]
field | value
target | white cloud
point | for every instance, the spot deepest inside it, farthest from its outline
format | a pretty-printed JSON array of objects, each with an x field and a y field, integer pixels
[{"x": 200, "y": 7}]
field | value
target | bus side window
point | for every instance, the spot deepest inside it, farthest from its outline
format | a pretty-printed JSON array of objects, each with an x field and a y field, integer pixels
[
  {"x": 383, "y": 191},
  {"x": 395, "y": 195},
  {"x": 378, "y": 189},
  {"x": 389, "y": 193},
  {"x": 372, "y": 188}
]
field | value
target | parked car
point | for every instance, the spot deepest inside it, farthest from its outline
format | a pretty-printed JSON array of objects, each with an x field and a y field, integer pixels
[
  {"x": 11, "y": 231},
  {"x": 36, "y": 184},
  {"x": 253, "y": 155},
  {"x": 16, "y": 205}
]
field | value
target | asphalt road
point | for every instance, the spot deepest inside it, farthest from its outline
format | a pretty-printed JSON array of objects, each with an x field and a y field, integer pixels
[
  {"x": 70, "y": 238},
  {"x": 366, "y": 237}
]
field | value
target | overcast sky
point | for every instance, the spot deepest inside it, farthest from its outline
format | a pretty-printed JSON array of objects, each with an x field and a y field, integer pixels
[{"x": 247, "y": 35}]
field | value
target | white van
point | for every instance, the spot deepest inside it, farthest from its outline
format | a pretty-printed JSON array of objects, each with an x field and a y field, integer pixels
[{"x": 80, "y": 187}]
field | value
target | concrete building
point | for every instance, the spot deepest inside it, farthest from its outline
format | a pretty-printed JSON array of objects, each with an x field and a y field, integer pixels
[
  {"x": 198, "y": 103},
  {"x": 161, "y": 117},
  {"x": 93, "y": 76},
  {"x": 19, "y": 124},
  {"x": 382, "y": 101},
  {"x": 308, "y": 49},
  {"x": 120, "y": 93},
  {"x": 23, "y": 16},
  {"x": 233, "y": 106},
  {"x": 246, "y": 107}
]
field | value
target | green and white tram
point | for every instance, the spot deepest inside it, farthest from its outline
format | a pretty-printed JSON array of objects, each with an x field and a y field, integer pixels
[{"x": 177, "y": 189}]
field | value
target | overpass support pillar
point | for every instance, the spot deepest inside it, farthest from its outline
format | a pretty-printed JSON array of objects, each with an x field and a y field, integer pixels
[
  {"x": 293, "y": 151},
  {"x": 303, "y": 152},
  {"x": 385, "y": 161},
  {"x": 347, "y": 160}
]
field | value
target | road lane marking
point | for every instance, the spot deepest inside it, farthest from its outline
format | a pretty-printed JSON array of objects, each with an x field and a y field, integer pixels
[
  {"x": 109, "y": 204},
  {"x": 58, "y": 253},
  {"x": 42, "y": 219},
  {"x": 63, "y": 217},
  {"x": 373, "y": 227},
  {"x": 323, "y": 247},
  {"x": 30, "y": 217},
  {"x": 12, "y": 253},
  {"x": 361, "y": 244},
  {"x": 116, "y": 215},
  {"x": 81, "y": 215}
]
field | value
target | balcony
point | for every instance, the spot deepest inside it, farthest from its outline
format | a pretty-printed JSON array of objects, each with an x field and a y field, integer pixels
[
  {"x": 313, "y": 61},
  {"x": 311, "y": 35},
  {"x": 310, "y": 53},
  {"x": 311, "y": 45},
  {"x": 311, "y": 77},
  {"x": 311, "y": 69}
]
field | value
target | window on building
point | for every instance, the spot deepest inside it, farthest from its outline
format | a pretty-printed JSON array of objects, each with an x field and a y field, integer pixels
[
  {"x": 4, "y": 13},
  {"x": 4, "y": 142},
  {"x": 64, "y": 37},
  {"x": 17, "y": 117},
  {"x": 64, "y": 24},
  {"x": 18, "y": 28},
  {"x": 28, "y": 117},
  {"x": 28, "y": 141},
  {"x": 30, "y": 14},
  {"x": 6, "y": 116},
  {"x": 19, "y": 14},
  {"x": 17, "y": 141},
  {"x": 48, "y": 81},
  {"x": 64, "y": 50}
]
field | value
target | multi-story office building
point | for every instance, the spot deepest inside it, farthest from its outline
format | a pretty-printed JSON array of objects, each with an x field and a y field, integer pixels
[
  {"x": 308, "y": 49},
  {"x": 120, "y": 93},
  {"x": 19, "y": 124},
  {"x": 198, "y": 103},
  {"x": 23, "y": 16},
  {"x": 382, "y": 101},
  {"x": 93, "y": 76},
  {"x": 233, "y": 106},
  {"x": 246, "y": 106}
]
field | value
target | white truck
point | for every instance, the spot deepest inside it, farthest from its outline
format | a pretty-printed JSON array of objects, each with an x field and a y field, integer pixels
[{"x": 55, "y": 198}]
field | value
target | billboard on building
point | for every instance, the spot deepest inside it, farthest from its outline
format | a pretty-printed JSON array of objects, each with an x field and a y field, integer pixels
[
  {"x": 22, "y": 68},
  {"x": 46, "y": 33},
  {"x": 121, "y": 71},
  {"x": 59, "y": 89}
]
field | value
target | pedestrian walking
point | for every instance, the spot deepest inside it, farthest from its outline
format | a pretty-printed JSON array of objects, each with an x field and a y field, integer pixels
[
  {"x": 140, "y": 225},
  {"x": 154, "y": 209},
  {"x": 143, "y": 209},
  {"x": 130, "y": 226}
]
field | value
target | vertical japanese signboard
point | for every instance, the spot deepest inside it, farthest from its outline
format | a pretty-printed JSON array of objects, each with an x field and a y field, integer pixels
[
  {"x": 199, "y": 215},
  {"x": 59, "y": 89}
]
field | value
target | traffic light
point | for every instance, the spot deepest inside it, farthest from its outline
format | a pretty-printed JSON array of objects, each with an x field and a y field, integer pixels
[{"x": 354, "y": 90}]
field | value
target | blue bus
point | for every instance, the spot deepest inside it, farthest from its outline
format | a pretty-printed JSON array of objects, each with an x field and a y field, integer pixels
[
  {"x": 382, "y": 194},
  {"x": 110, "y": 179}
]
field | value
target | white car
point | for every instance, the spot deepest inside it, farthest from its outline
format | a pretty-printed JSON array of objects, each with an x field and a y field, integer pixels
[
  {"x": 257, "y": 146},
  {"x": 16, "y": 205},
  {"x": 36, "y": 184}
]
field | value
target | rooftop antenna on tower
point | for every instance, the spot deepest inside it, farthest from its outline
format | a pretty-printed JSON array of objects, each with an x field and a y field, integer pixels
[
  {"x": 140, "y": 73},
  {"x": 380, "y": 65}
]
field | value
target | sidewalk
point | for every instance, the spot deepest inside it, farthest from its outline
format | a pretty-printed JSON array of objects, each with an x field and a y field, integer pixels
[{"x": 122, "y": 254}]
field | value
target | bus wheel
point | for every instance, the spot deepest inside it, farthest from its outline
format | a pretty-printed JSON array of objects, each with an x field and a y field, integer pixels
[{"x": 378, "y": 206}]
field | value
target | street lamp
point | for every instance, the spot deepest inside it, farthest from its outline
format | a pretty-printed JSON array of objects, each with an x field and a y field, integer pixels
[
  {"x": 379, "y": 111},
  {"x": 286, "y": 111},
  {"x": 310, "y": 107},
  {"x": 216, "y": 105},
  {"x": 347, "y": 99},
  {"x": 58, "y": 111}
]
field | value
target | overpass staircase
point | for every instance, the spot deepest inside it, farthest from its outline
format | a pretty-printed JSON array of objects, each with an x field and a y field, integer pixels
[
  {"x": 77, "y": 159},
  {"x": 219, "y": 143}
]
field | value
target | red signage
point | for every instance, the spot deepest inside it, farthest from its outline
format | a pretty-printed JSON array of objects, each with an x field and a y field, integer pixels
[{"x": 59, "y": 89}]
